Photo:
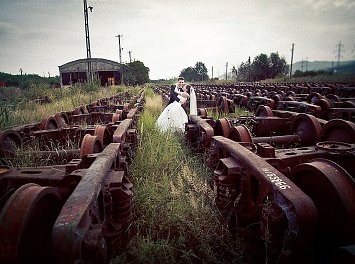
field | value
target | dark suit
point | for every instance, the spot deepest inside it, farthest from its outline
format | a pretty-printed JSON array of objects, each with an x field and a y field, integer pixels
[{"x": 173, "y": 95}]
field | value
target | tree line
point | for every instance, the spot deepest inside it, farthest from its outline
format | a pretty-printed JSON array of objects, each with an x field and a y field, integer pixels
[
  {"x": 261, "y": 68},
  {"x": 24, "y": 81}
]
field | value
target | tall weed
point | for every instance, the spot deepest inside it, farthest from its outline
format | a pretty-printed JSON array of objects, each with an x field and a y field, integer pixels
[
  {"x": 18, "y": 108},
  {"x": 176, "y": 220}
]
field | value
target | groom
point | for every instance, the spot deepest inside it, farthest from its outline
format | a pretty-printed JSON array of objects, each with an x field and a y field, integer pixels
[{"x": 173, "y": 94}]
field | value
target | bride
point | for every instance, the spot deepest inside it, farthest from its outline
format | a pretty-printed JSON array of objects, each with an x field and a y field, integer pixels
[{"x": 173, "y": 116}]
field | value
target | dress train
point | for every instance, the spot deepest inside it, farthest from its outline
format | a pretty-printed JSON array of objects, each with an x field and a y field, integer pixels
[{"x": 172, "y": 118}]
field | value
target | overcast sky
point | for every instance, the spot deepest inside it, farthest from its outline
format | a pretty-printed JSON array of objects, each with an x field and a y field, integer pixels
[{"x": 170, "y": 35}]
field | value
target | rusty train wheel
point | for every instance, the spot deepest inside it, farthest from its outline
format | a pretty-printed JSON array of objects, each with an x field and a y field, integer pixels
[
  {"x": 84, "y": 109},
  {"x": 223, "y": 104},
  {"x": 77, "y": 111},
  {"x": 117, "y": 116},
  {"x": 202, "y": 112},
  {"x": 10, "y": 141},
  {"x": 335, "y": 147},
  {"x": 103, "y": 134},
  {"x": 241, "y": 134},
  {"x": 81, "y": 110},
  {"x": 48, "y": 123},
  {"x": 26, "y": 224},
  {"x": 61, "y": 119},
  {"x": 277, "y": 98},
  {"x": 90, "y": 145},
  {"x": 338, "y": 130},
  {"x": 325, "y": 104},
  {"x": 290, "y": 93},
  {"x": 263, "y": 110},
  {"x": 223, "y": 127},
  {"x": 333, "y": 192},
  {"x": 307, "y": 127},
  {"x": 314, "y": 97},
  {"x": 333, "y": 98},
  {"x": 349, "y": 104}
]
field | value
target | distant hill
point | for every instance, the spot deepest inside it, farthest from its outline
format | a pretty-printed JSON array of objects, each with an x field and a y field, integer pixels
[{"x": 344, "y": 66}]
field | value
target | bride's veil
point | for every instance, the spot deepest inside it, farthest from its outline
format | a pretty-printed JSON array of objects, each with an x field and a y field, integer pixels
[{"x": 193, "y": 102}]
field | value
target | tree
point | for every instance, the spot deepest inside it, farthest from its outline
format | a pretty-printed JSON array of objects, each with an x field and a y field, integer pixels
[
  {"x": 197, "y": 73},
  {"x": 135, "y": 73},
  {"x": 234, "y": 73},
  {"x": 263, "y": 67},
  {"x": 201, "y": 71},
  {"x": 189, "y": 74},
  {"x": 243, "y": 72},
  {"x": 277, "y": 65},
  {"x": 260, "y": 67}
]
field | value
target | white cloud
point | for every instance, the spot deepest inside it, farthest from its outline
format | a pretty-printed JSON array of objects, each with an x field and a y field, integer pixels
[
  {"x": 328, "y": 4},
  {"x": 171, "y": 35}
]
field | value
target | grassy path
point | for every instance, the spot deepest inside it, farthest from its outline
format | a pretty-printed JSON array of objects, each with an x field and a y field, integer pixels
[{"x": 176, "y": 220}]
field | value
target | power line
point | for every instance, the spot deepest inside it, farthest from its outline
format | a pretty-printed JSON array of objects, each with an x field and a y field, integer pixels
[
  {"x": 339, "y": 51},
  {"x": 101, "y": 12}
]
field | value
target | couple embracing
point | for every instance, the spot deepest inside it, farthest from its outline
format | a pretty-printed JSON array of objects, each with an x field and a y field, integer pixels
[{"x": 174, "y": 116}]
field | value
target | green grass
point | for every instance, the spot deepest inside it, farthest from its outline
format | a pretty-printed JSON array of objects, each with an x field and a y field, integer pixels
[
  {"x": 176, "y": 220},
  {"x": 28, "y": 155},
  {"x": 18, "y": 109},
  {"x": 239, "y": 111}
]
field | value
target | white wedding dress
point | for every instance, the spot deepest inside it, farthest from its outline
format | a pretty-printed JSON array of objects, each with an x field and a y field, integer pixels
[{"x": 172, "y": 118}]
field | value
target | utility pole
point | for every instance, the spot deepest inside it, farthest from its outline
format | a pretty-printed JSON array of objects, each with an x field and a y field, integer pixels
[
  {"x": 226, "y": 71},
  {"x": 249, "y": 69},
  {"x": 88, "y": 50},
  {"x": 306, "y": 64},
  {"x": 340, "y": 50},
  {"x": 119, "y": 53},
  {"x": 21, "y": 75},
  {"x": 293, "y": 47},
  {"x": 130, "y": 58},
  {"x": 212, "y": 72}
]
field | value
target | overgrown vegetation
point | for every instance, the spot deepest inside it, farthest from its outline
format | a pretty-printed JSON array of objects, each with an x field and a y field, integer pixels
[
  {"x": 135, "y": 73},
  {"x": 37, "y": 153},
  {"x": 24, "y": 81},
  {"x": 31, "y": 105},
  {"x": 176, "y": 220}
]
